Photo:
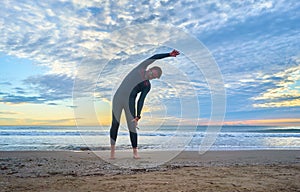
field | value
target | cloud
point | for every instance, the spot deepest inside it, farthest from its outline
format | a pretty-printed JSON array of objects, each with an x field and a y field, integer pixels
[
  {"x": 51, "y": 86},
  {"x": 268, "y": 122},
  {"x": 5, "y": 83},
  {"x": 20, "y": 90},
  {"x": 15, "y": 99},
  {"x": 43, "y": 89},
  {"x": 59, "y": 34},
  {"x": 8, "y": 113},
  {"x": 285, "y": 93},
  {"x": 52, "y": 104},
  {"x": 291, "y": 102},
  {"x": 32, "y": 121}
]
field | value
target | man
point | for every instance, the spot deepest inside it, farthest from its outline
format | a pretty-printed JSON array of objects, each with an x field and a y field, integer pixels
[{"x": 137, "y": 81}]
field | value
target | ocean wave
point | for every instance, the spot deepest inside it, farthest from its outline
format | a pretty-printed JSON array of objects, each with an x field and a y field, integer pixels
[
  {"x": 277, "y": 131},
  {"x": 152, "y": 134},
  {"x": 48, "y": 133}
]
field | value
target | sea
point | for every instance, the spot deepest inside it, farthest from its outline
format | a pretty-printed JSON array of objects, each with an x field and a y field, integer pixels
[{"x": 187, "y": 138}]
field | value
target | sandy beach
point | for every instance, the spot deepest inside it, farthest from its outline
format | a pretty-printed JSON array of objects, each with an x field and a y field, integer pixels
[{"x": 261, "y": 170}]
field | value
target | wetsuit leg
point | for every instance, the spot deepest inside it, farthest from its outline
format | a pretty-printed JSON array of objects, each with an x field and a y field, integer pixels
[
  {"x": 116, "y": 116},
  {"x": 132, "y": 104},
  {"x": 131, "y": 127}
]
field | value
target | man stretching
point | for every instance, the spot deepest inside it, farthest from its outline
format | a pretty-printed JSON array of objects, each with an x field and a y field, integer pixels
[{"x": 137, "y": 81}]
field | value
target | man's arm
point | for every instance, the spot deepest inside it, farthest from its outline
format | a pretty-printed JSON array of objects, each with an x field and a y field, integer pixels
[
  {"x": 150, "y": 60},
  {"x": 141, "y": 100},
  {"x": 140, "y": 105}
]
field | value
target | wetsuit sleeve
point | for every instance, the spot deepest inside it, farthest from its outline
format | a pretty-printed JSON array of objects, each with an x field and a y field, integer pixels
[
  {"x": 150, "y": 60},
  {"x": 141, "y": 100}
]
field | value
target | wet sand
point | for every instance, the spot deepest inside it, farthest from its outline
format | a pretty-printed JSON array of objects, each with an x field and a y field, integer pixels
[{"x": 261, "y": 170}]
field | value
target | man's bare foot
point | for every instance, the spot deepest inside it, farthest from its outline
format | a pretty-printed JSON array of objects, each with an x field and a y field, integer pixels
[
  {"x": 135, "y": 154},
  {"x": 136, "y": 157}
]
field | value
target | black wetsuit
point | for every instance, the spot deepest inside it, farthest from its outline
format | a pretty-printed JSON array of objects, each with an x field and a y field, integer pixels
[{"x": 125, "y": 97}]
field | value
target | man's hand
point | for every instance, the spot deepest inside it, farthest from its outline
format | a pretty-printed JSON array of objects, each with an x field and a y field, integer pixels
[
  {"x": 174, "y": 53},
  {"x": 135, "y": 120}
]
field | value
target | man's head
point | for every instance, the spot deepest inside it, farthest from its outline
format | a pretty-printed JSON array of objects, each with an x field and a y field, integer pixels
[{"x": 153, "y": 73}]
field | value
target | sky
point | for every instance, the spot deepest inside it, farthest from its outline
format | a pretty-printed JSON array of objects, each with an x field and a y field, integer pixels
[{"x": 62, "y": 60}]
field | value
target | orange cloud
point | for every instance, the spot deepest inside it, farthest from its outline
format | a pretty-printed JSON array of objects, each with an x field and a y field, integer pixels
[{"x": 274, "y": 122}]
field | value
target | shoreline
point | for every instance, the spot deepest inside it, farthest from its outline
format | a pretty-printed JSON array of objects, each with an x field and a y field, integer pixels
[{"x": 244, "y": 170}]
